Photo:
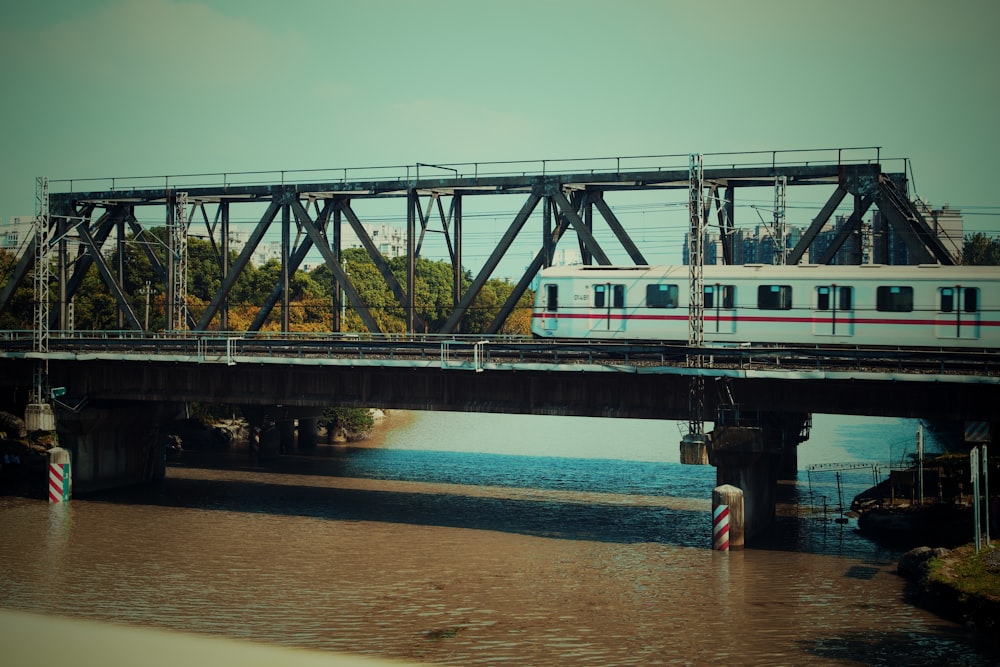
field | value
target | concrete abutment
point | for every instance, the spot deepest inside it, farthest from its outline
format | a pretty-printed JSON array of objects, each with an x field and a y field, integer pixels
[
  {"x": 753, "y": 456},
  {"x": 114, "y": 447}
]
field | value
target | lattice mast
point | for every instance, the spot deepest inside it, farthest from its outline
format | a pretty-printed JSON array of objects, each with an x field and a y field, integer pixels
[
  {"x": 696, "y": 255},
  {"x": 42, "y": 275},
  {"x": 780, "y": 243},
  {"x": 177, "y": 312},
  {"x": 42, "y": 264},
  {"x": 696, "y": 297}
]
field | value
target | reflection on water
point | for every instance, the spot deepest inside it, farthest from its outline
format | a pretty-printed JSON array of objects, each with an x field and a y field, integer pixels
[{"x": 461, "y": 557}]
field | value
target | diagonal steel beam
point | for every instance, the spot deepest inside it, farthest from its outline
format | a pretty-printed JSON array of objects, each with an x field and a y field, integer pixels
[
  {"x": 241, "y": 263},
  {"x": 795, "y": 256},
  {"x": 102, "y": 266},
  {"x": 536, "y": 264},
  {"x": 724, "y": 212},
  {"x": 377, "y": 258},
  {"x": 103, "y": 227},
  {"x": 24, "y": 264},
  {"x": 920, "y": 239},
  {"x": 491, "y": 264},
  {"x": 852, "y": 225},
  {"x": 581, "y": 229},
  {"x": 296, "y": 259},
  {"x": 318, "y": 239},
  {"x": 137, "y": 233},
  {"x": 609, "y": 216}
]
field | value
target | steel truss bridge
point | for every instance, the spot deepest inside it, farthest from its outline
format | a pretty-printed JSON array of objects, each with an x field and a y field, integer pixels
[{"x": 312, "y": 206}]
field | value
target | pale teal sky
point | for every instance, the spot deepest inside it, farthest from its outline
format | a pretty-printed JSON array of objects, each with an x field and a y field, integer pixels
[{"x": 99, "y": 88}]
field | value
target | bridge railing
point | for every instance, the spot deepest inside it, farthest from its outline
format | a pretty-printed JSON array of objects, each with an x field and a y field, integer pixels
[
  {"x": 482, "y": 352},
  {"x": 473, "y": 170}
]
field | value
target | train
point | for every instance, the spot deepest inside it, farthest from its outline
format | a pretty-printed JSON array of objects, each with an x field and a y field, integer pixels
[{"x": 923, "y": 306}]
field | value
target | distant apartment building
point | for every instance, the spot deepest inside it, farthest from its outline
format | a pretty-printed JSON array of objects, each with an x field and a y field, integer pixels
[
  {"x": 876, "y": 242},
  {"x": 390, "y": 242},
  {"x": 16, "y": 233}
]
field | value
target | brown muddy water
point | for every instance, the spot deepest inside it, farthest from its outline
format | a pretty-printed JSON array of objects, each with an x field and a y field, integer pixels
[{"x": 382, "y": 552}]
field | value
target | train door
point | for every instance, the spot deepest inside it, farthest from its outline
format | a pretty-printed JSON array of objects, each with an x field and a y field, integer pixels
[
  {"x": 609, "y": 307},
  {"x": 958, "y": 312},
  {"x": 550, "y": 310},
  {"x": 720, "y": 308},
  {"x": 833, "y": 311}
]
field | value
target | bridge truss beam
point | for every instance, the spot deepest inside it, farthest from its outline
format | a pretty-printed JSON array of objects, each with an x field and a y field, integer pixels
[{"x": 568, "y": 200}]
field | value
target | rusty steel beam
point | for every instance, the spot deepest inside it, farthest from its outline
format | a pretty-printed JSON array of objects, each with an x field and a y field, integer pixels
[
  {"x": 109, "y": 279},
  {"x": 239, "y": 265},
  {"x": 333, "y": 259},
  {"x": 295, "y": 260},
  {"x": 851, "y": 226},
  {"x": 491, "y": 263},
  {"x": 817, "y": 225}
]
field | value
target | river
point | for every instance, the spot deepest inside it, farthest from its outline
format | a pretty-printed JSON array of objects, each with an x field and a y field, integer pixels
[{"x": 482, "y": 539}]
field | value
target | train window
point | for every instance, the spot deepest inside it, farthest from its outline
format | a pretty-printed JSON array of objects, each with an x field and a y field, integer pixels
[
  {"x": 551, "y": 297},
  {"x": 822, "y": 298},
  {"x": 825, "y": 294},
  {"x": 601, "y": 296},
  {"x": 846, "y": 297},
  {"x": 947, "y": 299},
  {"x": 971, "y": 299},
  {"x": 720, "y": 296},
  {"x": 774, "y": 297},
  {"x": 661, "y": 296},
  {"x": 894, "y": 299}
]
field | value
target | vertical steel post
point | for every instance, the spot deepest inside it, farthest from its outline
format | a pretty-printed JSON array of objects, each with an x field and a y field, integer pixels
[
  {"x": 286, "y": 236},
  {"x": 120, "y": 264},
  {"x": 974, "y": 466},
  {"x": 224, "y": 212},
  {"x": 411, "y": 260},
  {"x": 986, "y": 494},
  {"x": 339, "y": 305},
  {"x": 547, "y": 230},
  {"x": 457, "y": 240},
  {"x": 920, "y": 461}
]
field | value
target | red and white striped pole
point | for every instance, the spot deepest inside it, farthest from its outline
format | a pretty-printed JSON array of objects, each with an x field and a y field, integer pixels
[
  {"x": 720, "y": 528},
  {"x": 727, "y": 518},
  {"x": 59, "y": 475}
]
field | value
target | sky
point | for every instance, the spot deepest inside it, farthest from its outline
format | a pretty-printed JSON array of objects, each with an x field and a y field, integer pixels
[{"x": 95, "y": 88}]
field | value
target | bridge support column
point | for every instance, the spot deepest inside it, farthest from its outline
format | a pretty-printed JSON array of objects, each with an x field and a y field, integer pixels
[
  {"x": 754, "y": 458},
  {"x": 286, "y": 430},
  {"x": 740, "y": 456},
  {"x": 308, "y": 433},
  {"x": 113, "y": 447}
]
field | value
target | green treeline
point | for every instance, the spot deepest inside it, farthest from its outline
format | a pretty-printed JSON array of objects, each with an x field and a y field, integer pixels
[{"x": 311, "y": 300}]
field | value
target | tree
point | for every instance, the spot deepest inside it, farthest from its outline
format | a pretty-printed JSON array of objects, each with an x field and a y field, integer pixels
[
  {"x": 981, "y": 250},
  {"x": 19, "y": 313}
]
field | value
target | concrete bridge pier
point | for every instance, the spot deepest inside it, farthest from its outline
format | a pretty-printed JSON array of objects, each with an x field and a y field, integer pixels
[
  {"x": 753, "y": 457},
  {"x": 308, "y": 433},
  {"x": 286, "y": 431},
  {"x": 278, "y": 428},
  {"x": 115, "y": 446}
]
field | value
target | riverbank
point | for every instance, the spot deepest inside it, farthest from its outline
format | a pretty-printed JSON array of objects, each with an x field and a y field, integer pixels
[{"x": 959, "y": 584}]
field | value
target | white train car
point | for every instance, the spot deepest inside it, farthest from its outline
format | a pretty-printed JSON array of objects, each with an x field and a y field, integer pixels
[{"x": 867, "y": 305}]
